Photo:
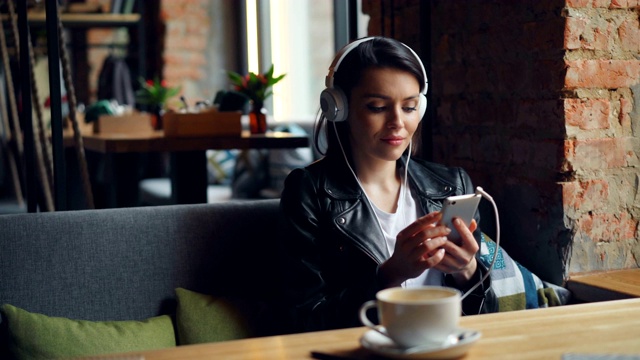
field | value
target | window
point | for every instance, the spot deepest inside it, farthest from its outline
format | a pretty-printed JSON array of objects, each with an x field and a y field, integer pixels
[
  {"x": 297, "y": 37},
  {"x": 300, "y": 37}
]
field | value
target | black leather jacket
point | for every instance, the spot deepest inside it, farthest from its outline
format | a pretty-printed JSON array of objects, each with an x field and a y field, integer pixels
[{"x": 333, "y": 248}]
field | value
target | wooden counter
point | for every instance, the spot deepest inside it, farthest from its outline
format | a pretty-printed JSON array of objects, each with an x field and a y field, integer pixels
[{"x": 608, "y": 285}]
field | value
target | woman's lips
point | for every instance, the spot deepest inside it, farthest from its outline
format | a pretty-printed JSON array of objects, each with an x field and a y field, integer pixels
[{"x": 393, "y": 140}]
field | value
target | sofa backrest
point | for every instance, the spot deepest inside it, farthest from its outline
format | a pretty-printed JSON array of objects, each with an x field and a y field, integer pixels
[{"x": 124, "y": 264}]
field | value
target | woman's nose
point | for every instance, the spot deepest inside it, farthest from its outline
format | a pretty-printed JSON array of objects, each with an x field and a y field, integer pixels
[{"x": 395, "y": 118}]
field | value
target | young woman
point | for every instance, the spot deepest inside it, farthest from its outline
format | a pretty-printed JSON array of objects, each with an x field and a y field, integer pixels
[{"x": 364, "y": 217}]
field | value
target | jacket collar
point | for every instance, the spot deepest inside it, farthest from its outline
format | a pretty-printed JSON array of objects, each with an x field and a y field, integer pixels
[{"x": 342, "y": 185}]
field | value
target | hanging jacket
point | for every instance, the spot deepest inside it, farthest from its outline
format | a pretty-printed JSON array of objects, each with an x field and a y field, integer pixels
[{"x": 114, "y": 81}]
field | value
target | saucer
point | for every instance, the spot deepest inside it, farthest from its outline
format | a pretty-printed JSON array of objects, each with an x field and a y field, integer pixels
[{"x": 382, "y": 345}]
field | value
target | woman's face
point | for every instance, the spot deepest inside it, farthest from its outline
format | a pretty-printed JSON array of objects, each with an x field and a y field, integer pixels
[{"x": 383, "y": 114}]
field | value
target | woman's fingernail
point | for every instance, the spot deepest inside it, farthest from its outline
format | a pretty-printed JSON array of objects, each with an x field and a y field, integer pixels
[{"x": 447, "y": 230}]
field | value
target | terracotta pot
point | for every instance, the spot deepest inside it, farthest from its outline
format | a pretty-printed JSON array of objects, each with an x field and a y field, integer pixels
[
  {"x": 156, "y": 117},
  {"x": 258, "y": 120}
]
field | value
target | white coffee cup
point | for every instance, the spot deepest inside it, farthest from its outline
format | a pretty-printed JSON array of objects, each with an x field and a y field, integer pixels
[{"x": 415, "y": 316}]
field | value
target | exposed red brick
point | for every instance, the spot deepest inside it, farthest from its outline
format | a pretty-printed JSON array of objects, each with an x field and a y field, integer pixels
[
  {"x": 601, "y": 3},
  {"x": 173, "y": 58},
  {"x": 610, "y": 74},
  {"x": 591, "y": 3},
  {"x": 185, "y": 44},
  {"x": 601, "y": 38},
  {"x": 174, "y": 29},
  {"x": 585, "y": 195},
  {"x": 578, "y": 3},
  {"x": 619, "y": 4},
  {"x": 604, "y": 153},
  {"x": 608, "y": 227},
  {"x": 187, "y": 25},
  {"x": 197, "y": 59},
  {"x": 179, "y": 74},
  {"x": 626, "y": 106},
  {"x": 575, "y": 27},
  {"x": 581, "y": 33},
  {"x": 587, "y": 114},
  {"x": 198, "y": 27},
  {"x": 629, "y": 32}
]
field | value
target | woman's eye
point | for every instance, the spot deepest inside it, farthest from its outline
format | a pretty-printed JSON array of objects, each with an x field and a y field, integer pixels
[
  {"x": 376, "y": 109},
  {"x": 409, "y": 109}
]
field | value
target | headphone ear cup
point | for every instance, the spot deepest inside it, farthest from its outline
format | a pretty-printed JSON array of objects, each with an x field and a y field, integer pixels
[
  {"x": 333, "y": 103},
  {"x": 422, "y": 105}
]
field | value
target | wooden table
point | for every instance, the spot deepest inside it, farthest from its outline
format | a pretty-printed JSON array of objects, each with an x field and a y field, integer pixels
[
  {"x": 607, "y": 285},
  {"x": 188, "y": 164},
  {"x": 611, "y": 327},
  {"x": 156, "y": 141}
]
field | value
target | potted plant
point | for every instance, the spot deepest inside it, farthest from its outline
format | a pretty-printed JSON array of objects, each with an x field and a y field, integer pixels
[
  {"x": 258, "y": 87},
  {"x": 155, "y": 93}
]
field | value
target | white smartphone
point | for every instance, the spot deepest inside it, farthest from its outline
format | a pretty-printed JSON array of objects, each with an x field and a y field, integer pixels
[{"x": 460, "y": 206}]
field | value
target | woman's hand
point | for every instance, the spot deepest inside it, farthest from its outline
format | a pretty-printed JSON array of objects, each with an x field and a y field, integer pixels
[
  {"x": 420, "y": 246},
  {"x": 459, "y": 260}
]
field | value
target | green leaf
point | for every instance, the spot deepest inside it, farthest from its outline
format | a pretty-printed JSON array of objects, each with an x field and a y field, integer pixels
[
  {"x": 273, "y": 81},
  {"x": 269, "y": 73},
  {"x": 236, "y": 78}
]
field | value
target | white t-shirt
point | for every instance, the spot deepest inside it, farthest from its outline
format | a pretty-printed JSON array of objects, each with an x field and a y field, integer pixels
[{"x": 392, "y": 223}]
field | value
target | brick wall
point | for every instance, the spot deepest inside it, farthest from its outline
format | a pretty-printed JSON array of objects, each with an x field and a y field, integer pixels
[
  {"x": 535, "y": 99},
  {"x": 195, "y": 31},
  {"x": 602, "y": 87},
  {"x": 187, "y": 26}
]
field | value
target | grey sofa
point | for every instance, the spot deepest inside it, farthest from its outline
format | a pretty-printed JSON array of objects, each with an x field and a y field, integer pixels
[{"x": 124, "y": 264}]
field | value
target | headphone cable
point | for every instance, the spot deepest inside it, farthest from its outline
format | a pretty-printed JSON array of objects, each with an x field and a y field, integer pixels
[
  {"x": 403, "y": 192},
  {"x": 485, "y": 195},
  {"x": 479, "y": 190}
]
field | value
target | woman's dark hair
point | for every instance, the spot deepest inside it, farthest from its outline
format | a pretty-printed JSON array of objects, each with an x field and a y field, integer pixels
[{"x": 379, "y": 52}]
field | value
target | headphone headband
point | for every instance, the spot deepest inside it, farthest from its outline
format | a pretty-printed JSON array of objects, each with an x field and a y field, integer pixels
[{"x": 328, "y": 81}]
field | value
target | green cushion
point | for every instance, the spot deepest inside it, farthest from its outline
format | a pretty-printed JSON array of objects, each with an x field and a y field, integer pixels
[
  {"x": 204, "y": 318},
  {"x": 37, "y": 336}
]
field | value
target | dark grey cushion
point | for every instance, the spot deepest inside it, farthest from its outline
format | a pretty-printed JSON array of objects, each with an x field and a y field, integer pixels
[{"x": 124, "y": 264}]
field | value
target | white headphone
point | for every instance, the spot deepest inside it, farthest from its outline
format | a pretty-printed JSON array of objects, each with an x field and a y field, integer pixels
[{"x": 333, "y": 101}]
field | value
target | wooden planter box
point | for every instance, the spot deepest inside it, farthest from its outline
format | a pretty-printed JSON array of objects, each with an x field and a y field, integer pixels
[
  {"x": 135, "y": 123},
  {"x": 205, "y": 123}
]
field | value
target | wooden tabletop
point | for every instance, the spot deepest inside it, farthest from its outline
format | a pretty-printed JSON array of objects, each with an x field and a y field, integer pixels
[
  {"x": 611, "y": 327},
  {"x": 608, "y": 285},
  {"x": 156, "y": 141}
]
